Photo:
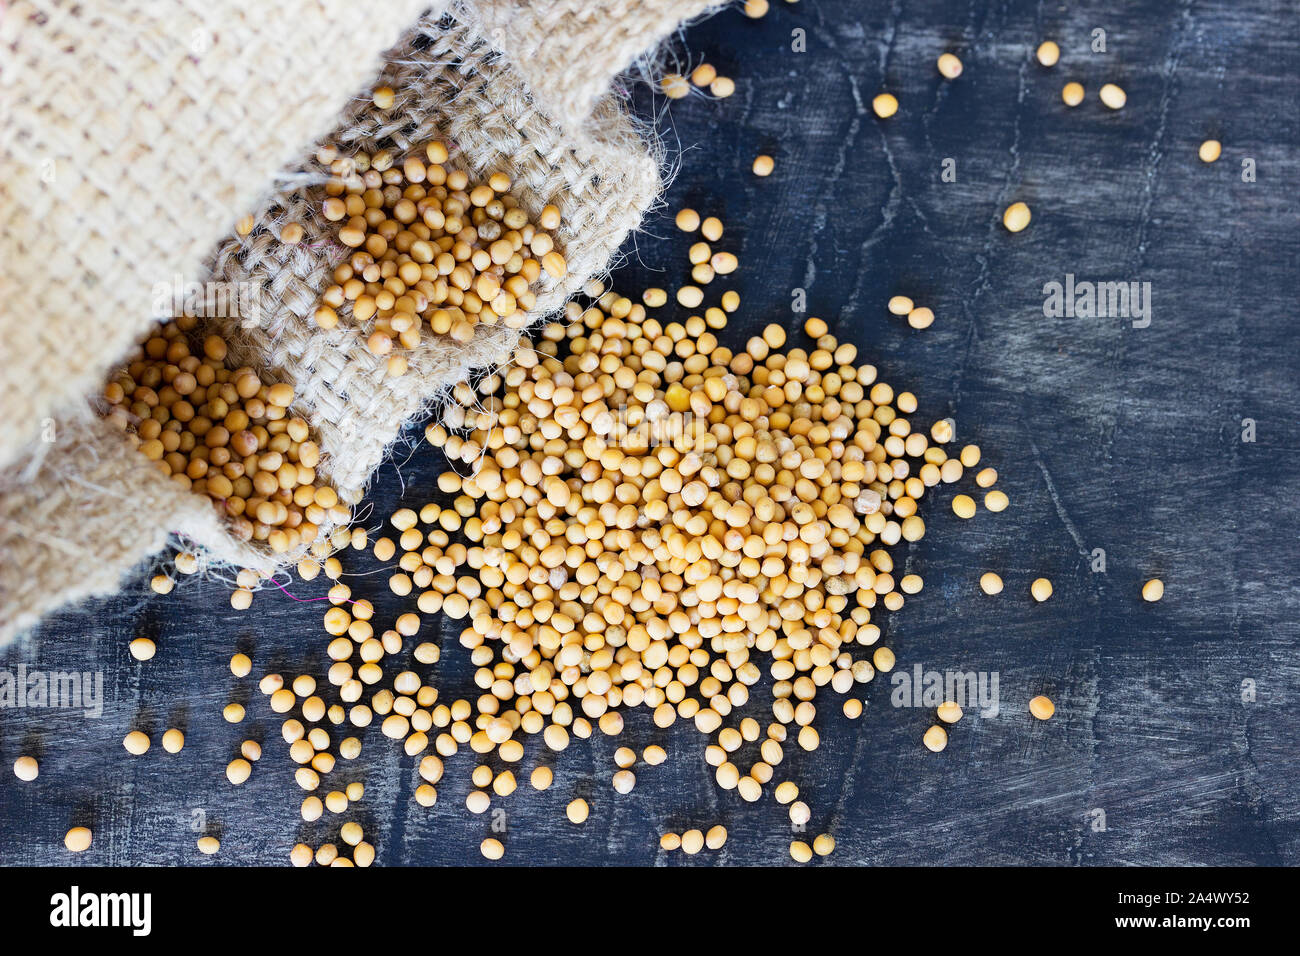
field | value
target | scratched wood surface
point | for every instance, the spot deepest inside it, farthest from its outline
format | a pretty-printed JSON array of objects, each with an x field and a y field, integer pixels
[{"x": 1105, "y": 436}]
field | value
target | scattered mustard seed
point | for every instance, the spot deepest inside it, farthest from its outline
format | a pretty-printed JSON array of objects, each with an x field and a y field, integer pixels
[
  {"x": 1016, "y": 217},
  {"x": 1113, "y": 96}
]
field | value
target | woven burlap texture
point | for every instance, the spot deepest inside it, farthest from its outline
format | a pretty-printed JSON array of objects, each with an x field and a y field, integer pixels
[
  {"x": 132, "y": 133},
  {"x": 451, "y": 84}
]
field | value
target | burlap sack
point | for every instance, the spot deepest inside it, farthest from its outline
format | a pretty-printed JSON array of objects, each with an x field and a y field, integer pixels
[{"x": 512, "y": 86}]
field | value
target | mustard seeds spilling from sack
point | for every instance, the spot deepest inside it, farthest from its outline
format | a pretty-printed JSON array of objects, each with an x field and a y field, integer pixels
[
  {"x": 227, "y": 434},
  {"x": 431, "y": 250}
]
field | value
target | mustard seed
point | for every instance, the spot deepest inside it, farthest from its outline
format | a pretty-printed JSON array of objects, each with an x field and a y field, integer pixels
[
  {"x": 77, "y": 840},
  {"x": 900, "y": 305},
  {"x": 1016, "y": 217},
  {"x": 935, "y": 739}
]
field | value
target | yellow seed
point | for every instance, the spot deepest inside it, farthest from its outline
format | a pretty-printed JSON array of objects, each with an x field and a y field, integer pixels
[
  {"x": 800, "y": 851},
  {"x": 26, "y": 768},
  {"x": 763, "y": 165},
  {"x": 674, "y": 86},
  {"x": 1072, "y": 94},
  {"x": 711, "y": 228},
  {"x": 241, "y": 665},
  {"x": 884, "y": 659},
  {"x": 383, "y": 97},
  {"x": 921, "y": 318},
  {"x": 291, "y": 233},
  {"x": 541, "y": 778},
  {"x": 688, "y": 220},
  {"x": 1041, "y": 589},
  {"x": 722, "y": 87},
  {"x": 1042, "y": 707},
  {"x": 492, "y": 849},
  {"x": 986, "y": 477},
  {"x": 716, "y": 837},
  {"x": 704, "y": 74},
  {"x": 136, "y": 742},
  {"x": 963, "y": 506},
  {"x": 884, "y": 105},
  {"x": 238, "y": 770},
  {"x": 1016, "y": 217},
  {"x": 1113, "y": 97},
  {"x": 77, "y": 840},
  {"x": 1210, "y": 151},
  {"x": 824, "y": 844},
  {"x": 208, "y": 845},
  {"x": 670, "y": 842},
  {"x": 173, "y": 741},
  {"x": 949, "y": 712},
  {"x": 755, "y": 9},
  {"x": 692, "y": 842},
  {"x": 161, "y": 584},
  {"x": 949, "y": 66},
  {"x": 577, "y": 811},
  {"x": 233, "y": 713},
  {"x": 935, "y": 739},
  {"x": 990, "y": 583},
  {"x": 1153, "y": 590},
  {"x": 996, "y": 501},
  {"x": 900, "y": 305},
  {"x": 143, "y": 649},
  {"x": 1048, "y": 53}
]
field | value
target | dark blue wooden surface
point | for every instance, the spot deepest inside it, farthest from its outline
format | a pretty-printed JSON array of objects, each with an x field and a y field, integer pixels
[{"x": 1105, "y": 436}]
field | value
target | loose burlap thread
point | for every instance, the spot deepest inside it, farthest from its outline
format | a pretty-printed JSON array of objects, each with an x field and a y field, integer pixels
[{"x": 87, "y": 500}]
